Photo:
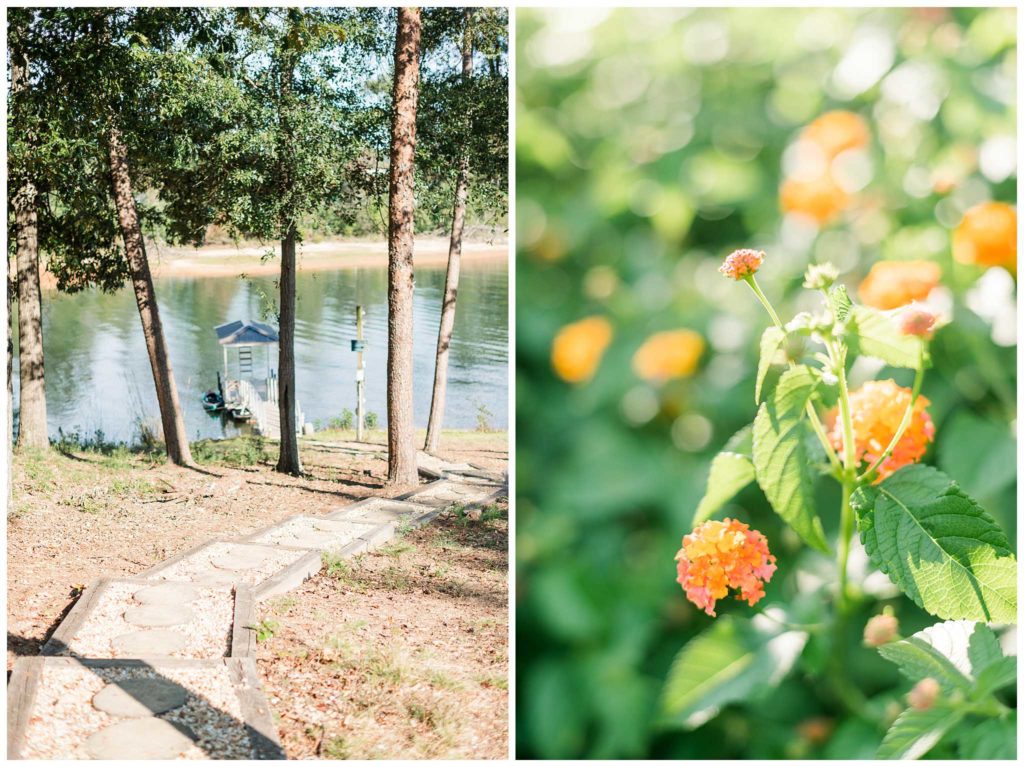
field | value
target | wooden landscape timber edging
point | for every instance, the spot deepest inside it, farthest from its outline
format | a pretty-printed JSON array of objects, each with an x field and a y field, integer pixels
[{"x": 377, "y": 520}]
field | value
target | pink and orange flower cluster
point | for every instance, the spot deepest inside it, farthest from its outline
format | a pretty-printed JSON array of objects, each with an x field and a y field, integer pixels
[{"x": 720, "y": 555}]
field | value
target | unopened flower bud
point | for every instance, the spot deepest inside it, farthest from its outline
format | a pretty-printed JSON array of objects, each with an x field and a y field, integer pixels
[
  {"x": 820, "y": 276},
  {"x": 880, "y": 630},
  {"x": 924, "y": 694},
  {"x": 742, "y": 263}
]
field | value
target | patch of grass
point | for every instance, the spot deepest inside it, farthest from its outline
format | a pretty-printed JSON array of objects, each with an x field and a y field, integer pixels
[
  {"x": 132, "y": 486},
  {"x": 421, "y": 713},
  {"x": 395, "y": 549},
  {"x": 282, "y": 603},
  {"x": 492, "y": 680},
  {"x": 404, "y": 527},
  {"x": 237, "y": 452},
  {"x": 266, "y": 629},
  {"x": 492, "y": 511},
  {"x": 443, "y": 681},
  {"x": 336, "y": 748},
  {"x": 395, "y": 578},
  {"x": 337, "y": 566}
]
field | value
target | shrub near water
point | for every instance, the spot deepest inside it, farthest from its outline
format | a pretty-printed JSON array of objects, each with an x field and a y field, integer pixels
[{"x": 933, "y": 541}]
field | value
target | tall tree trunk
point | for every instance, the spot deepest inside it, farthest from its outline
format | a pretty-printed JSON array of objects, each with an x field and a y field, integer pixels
[
  {"x": 32, "y": 430},
  {"x": 451, "y": 280},
  {"x": 288, "y": 455},
  {"x": 145, "y": 296},
  {"x": 401, "y": 207}
]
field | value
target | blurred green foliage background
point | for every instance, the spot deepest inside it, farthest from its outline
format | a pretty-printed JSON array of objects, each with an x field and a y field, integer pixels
[{"x": 650, "y": 143}]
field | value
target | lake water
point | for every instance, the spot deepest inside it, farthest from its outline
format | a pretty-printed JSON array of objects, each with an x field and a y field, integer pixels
[{"x": 98, "y": 375}]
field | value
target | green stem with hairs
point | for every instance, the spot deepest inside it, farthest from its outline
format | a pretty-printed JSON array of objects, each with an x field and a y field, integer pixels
[
  {"x": 812, "y": 415},
  {"x": 904, "y": 424}
]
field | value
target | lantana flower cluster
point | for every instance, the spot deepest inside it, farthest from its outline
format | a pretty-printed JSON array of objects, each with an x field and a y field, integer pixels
[
  {"x": 722, "y": 555},
  {"x": 877, "y": 408}
]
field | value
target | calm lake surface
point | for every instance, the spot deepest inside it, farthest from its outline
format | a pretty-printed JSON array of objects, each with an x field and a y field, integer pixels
[{"x": 98, "y": 375}]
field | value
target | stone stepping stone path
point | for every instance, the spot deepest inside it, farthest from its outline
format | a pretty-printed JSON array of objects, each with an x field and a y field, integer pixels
[
  {"x": 267, "y": 570},
  {"x": 445, "y": 493},
  {"x": 313, "y": 533},
  {"x": 161, "y": 666},
  {"x": 70, "y": 708},
  {"x": 379, "y": 511},
  {"x": 132, "y": 618}
]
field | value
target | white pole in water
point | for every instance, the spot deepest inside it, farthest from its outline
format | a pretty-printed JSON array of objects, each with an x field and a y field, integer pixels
[{"x": 360, "y": 376}]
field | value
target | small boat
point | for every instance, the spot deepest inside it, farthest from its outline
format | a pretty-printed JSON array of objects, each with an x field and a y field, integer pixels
[
  {"x": 241, "y": 413},
  {"x": 212, "y": 401}
]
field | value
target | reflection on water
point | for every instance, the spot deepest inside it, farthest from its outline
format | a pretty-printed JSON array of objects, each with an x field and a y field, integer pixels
[{"x": 98, "y": 374}]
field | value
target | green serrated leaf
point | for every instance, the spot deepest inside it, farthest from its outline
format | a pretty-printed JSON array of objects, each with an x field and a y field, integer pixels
[
  {"x": 937, "y": 545},
  {"x": 990, "y": 740},
  {"x": 780, "y": 455},
  {"x": 951, "y": 652},
  {"x": 914, "y": 732},
  {"x": 725, "y": 663},
  {"x": 1002, "y": 673},
  {"x": 731, "y": 471},
  {"x": 771, "y": 340},
  {"x": 875, "y": 334}
]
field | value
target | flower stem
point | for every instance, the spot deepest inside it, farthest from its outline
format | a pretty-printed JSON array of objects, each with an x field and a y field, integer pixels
[
  {"x": 812, "y": 415},
  {"x": 752, "y": 282},
  {"x": 904, "y": 424},
  {"x": 845, "y": 536}
]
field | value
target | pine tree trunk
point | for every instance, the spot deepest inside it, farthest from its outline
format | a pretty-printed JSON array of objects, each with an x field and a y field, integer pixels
[
  {"x": 173, "y": 423},
  {"x": 402, "y": 471},
  {"x": 288, "y": 457},
  {"x": 32, "y": 430},
  {"x": 451, "y": 280}
]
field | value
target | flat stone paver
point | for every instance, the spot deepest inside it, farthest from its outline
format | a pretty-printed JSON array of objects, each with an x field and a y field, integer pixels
[
  {"x": 314, "y": 533},
  {"x": 158, "y": 616},
  {"x": 138, "y": 739},
  {"x": 381, "y": 510},
  {"x": 445, "y": 493},
  {"x": 148, "y": 644},
  {"x": 167, "y": 594},
  {"x": 239, "y": 559},
  {"x": 140, "y": 697}
]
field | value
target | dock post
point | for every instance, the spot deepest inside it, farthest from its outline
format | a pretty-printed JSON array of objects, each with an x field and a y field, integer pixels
[{"x": 360, "y": 404}]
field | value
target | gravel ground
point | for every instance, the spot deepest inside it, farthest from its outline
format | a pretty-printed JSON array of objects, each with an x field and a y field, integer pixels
[
  {"x": 199, "y": 566},
  {"x": 208, "y": 633},
  {"x": 64, "y": 717}
]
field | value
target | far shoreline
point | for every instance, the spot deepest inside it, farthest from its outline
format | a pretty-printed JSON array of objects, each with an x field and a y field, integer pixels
[{"x": 326, "y": 255}]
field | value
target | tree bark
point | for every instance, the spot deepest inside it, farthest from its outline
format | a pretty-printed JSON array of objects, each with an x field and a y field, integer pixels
[
  {"x": 451, "y": 280},
  {"x": 402, "y": 471},
  {"x": 173, "y": 423},
  {"x": 288, "y": 455},
  {"x": 32, "y": 430},
  {"x": 288, "y": 458}
]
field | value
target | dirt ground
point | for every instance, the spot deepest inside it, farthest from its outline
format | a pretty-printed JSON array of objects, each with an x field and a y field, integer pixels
[{"x": 87, "y": 513}]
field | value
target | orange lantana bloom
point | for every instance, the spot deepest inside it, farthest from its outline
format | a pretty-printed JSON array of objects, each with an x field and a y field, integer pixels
[
  {"x": 578, "y": 348},
  {"x": 835, "y": 132},
  {"x": 718, "y": 556},
  {"x": 670, "y": 354},
  {"x": 891, "y": 284},
  {"x": 877, "y": 409},
  {"x": 821, "y": 198},
  {"x": 987, "y": 236}
]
